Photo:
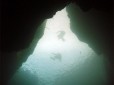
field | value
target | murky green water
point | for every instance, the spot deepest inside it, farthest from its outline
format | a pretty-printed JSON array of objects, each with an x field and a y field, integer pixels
[{"x": 60, "y": 58}]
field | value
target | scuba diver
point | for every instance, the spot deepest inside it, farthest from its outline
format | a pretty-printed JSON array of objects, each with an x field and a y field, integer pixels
[
  {"x": 57, "y": 56},
  {"x": 61, "y": 35}
]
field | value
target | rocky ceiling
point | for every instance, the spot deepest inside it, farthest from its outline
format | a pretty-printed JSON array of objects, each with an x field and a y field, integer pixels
[{"x": 20, "y": 19}]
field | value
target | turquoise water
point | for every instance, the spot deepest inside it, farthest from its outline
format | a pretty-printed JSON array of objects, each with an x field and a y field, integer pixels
[{"x": 63, "y": 60}]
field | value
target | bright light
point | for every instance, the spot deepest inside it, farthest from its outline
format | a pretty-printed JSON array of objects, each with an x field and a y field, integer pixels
[{"x": 58, "y": 52}]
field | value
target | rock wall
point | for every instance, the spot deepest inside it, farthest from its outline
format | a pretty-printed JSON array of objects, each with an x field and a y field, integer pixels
[{"x": 20, "y": 20}]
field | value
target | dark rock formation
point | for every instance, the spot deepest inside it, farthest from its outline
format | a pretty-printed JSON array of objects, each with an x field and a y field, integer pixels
[
  {"x": 95, "y": 28},
  {"x": 22, "y": 77},
  {"x": 21, "y": 18}
]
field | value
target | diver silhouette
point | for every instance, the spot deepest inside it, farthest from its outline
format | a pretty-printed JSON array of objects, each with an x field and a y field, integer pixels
[
  {"x": 57, "y": 56},
  {"x": 61, "y": 35}
]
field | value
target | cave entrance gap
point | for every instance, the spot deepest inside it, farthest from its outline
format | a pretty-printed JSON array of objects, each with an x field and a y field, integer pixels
[{"x": 60, "y": 58}]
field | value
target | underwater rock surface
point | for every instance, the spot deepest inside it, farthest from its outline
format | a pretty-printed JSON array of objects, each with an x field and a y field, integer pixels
[{"x": 65, "y": 61}]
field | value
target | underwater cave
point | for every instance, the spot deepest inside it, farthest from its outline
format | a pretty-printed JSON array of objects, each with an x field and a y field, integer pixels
[
  {"x": 57, "y": 42},
  {"x": 61, "y": 58}
]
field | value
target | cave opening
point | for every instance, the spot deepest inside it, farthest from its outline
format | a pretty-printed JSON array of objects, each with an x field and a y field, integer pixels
[{"x": 60, "y": 58}]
